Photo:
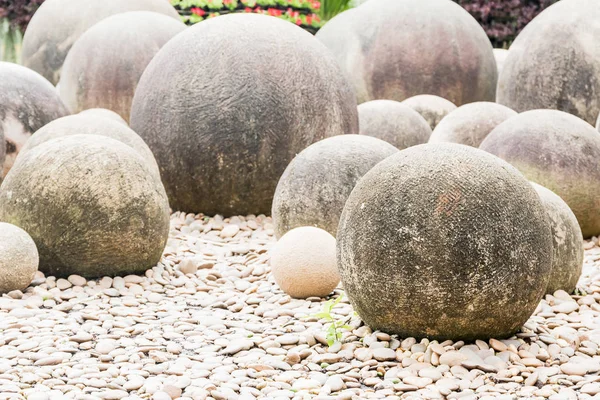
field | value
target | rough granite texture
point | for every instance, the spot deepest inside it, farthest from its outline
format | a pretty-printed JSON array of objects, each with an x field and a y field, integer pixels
[
  {"x": 432, "y": 108},
  {"x": 91, "y": 205},
  {"x": 19, "y": 258},
  {"x": 444, "y": 241}
]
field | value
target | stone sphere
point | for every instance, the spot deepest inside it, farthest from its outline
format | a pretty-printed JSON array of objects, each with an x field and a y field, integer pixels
[
  {"x": 471, "y": 123},
  {"x": 428, "y": 247},
  {"x": 315, "y": 186},
  {"x": 105, "y": 64},
  {"x": 103, "y": 112},
  {"x": 303, "y": 263},
  {"x": 500, "y": 56},
  {"x": 27, "y": 102},
  {"x": 567, "y": 256},
  {"x": 432, "y": 108},
  {"x": 92, "y": 125},
  {"x": 558, "y": 151},
  {"x": 396, "y": 49},
  {"x": 224, "y": 152},
  {"x": 554, "y": 63},
  {"x": 91, "y": 204},
  {"x": 19, "y": 261},
  {"x": 57, "y": 25},
  {"x": 393, "y": 122}
]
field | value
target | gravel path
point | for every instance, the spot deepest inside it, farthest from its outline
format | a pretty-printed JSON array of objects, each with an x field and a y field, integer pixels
[{"x": 209, "y": 323}]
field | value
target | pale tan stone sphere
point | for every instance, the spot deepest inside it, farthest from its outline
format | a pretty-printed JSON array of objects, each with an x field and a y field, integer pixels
[{"x": 19, "y": 258}]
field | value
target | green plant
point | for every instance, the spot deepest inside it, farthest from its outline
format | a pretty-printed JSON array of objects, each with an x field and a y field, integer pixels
[
  {"x": 331, "y": 8},
  {"x": 11, "y": 39},
  {"x": 336, "y": 326}
]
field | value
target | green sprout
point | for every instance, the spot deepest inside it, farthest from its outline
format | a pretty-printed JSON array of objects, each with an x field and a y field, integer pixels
[{"x": 336, "y": 326}]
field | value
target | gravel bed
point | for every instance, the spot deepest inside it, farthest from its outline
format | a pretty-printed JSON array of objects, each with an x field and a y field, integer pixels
[{"x": 209, "y": 322}]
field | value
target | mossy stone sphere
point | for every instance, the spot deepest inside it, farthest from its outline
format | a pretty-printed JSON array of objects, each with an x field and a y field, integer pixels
[
  {"x": 91, "y": 204},
  {"x": 444, "y": 241},
  {"x": 57, "y": 25},
  {"x": 27, "y": 102},
  {"x": 554, "y": 63},
  {"x": 103, "y": 112},
  {"x": 303, "y": 263},
  {"x": 393, "y": 122},
  {"x": 80, "y": 124},
  {"x": 105, "y": 64},
  {"x": 396, "y": 49},
  {"x": 558, "y": 151},
  {"x": 228, "y": 103},
  {"x": 471, "y": 123},
  {"x": 19, "y": 258},
  {"x": 432, "y": 108},
  {"x": 567, "y": 256},
  {"x": 315, "y": 186}
]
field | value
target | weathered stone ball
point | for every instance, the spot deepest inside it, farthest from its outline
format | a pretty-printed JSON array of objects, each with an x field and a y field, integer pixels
[
  {"x": 2, "y": 152},
  {"x": 303, "y": 263},
  {"x": 432, "y": 108},
  {"x": 444, "y": 241},
  {"x": 393, "y": 122},
  {"x": 558, "y": 151},
  {"x": 105, "y": 64},
  {"x": 27, "y": 102},
  {"x": 19, "y": 258},
  {"x": 471, "y": 123},
  {"x": 554, "y": 63},
  {"x": 500, "y": 56},
  {"x": 224, "y": 152},
  {"x": 80, "y": 124},
  {"x": 103, "y": 112},
  {"x": 567, "y": 256},
  {"x": 315, "y": 186},
  {"x": 91, "y": 204},
  {"x": 57, "y": 25},
  {"x": 396, "y": 49}
]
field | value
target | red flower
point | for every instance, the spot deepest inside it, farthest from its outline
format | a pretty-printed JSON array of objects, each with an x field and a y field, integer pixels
[
  {"x": 316, "y": 5},
  {"x": 258, "y": 10},
  {"x": 227, "y": 2},
  {"x": 296, "y": 14},
  {"x": 298, "y": 21},
  {"x": 308, "y": 19},
  {"x": 198, "y": 11},
  {"x": 247, "y": 9}
]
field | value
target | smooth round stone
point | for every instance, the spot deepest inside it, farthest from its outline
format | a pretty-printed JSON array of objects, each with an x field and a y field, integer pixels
[
  {"x": 19, "y": 258},
  {"x": 432, "y": 108}
]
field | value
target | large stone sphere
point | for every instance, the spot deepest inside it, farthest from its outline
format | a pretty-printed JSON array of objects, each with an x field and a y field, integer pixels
[
  {"x": 428, "y": 247},
  {"x": 103, "y": 112},
  {"x": 315, "y": 186},
  {"x": 393, "y": 122},
  {"x": 19, "y": 258},
  {"x": 27, "y": 102},
  {"x": 92, "y": 125},
  {"x": 91, "y": 204},
  {"x": 567, "y": 256},
  {"x": 471, "y": 123},
  {"x": 396, "y": 49},
  {"x": 303, "y": 263},
  {"x": 500, "y": 56},
  {"x": 227, "y": 104},
  {"x": 2, "y": 152},
  {"x": 558, "y": 151},
  {"x": 57, "y": 24},
  {"x": 555, "y": 62},
  {"x": 105, "y": 64},
  {"x": 432, "y": 108}
]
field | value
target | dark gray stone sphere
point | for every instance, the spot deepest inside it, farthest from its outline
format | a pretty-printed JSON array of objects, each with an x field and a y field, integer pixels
[
  {"x": 555, "y": 63},
  {"x": 471, "y": 123},
  {"x": 57, "y": 24},
  {"x": 396, "y": 49},
  {"x": 105, "y": 64},
  {"x": 315, "y": 186},
  {"x": 444, "y": 241},
  {"x": 91, "y": 204},
  {"x": 393, "y": 122},
  {"x": 567, "y": 256},
  {"x": 227, "y": 104},
  {"x": 558, "y": 151},
  {"x": 27, "y": 102},
  {"x": 432, "y": 108}
]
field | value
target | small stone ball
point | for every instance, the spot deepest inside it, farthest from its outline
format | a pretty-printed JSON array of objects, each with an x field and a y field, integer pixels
[
  {"x": 471, "y": 123},
  {"x": 91, "y": 204},
  {"x": 500, "y": 56},
  {"x": 106, "y": 62},
  {"x": 103, "y": 112},
  {"x": 393, "y": 122},
  {"x": 567, "y": 256},
  {"x": 558, "y": 151},
  {"x": 27, "y": 102},
  {"x": 444, "y": 241},
  {"x": 432, "y": 108},
  {"x": 19, "y": 258},
  {"x": 57, "y": 24},
  {"x": 303, "y": 263},
  {"x": 80, "y": 124},
  {"x": 315, "y": 186}
]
